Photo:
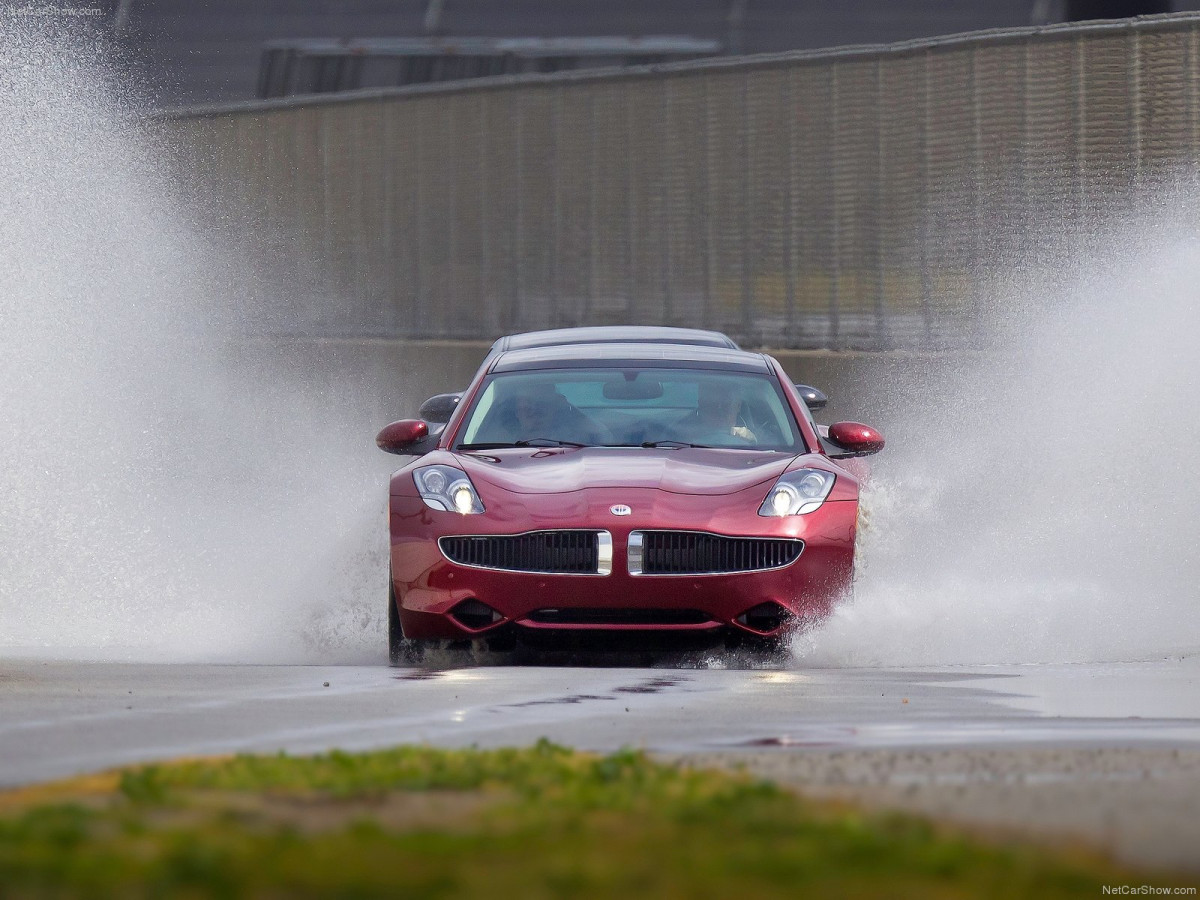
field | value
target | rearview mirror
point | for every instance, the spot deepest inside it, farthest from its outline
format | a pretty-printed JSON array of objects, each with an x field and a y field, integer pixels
[
  {"x": 855, "y": 439},
  {"x": 637, "y": 389},
  {"x": 402, "y": 436},
  {"x": 813, "y": 398},
  {"x": 439, "y": 408}
]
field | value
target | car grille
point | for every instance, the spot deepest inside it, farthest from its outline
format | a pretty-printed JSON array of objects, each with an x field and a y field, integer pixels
[
  {"x": 558, "y": 552},
  {"x": 701, "y": 553},
  {"x": 578, "y": 616}
]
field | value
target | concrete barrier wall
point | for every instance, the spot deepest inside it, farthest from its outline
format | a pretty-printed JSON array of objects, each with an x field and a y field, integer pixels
[{"x": 846, "y": 199}]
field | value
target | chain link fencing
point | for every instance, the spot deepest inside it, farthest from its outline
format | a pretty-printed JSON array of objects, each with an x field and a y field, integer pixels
[{"x": 850, "y": 199}]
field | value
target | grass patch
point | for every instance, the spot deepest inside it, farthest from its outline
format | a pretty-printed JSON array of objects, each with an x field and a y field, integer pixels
[{"x": 520, "y": 823}]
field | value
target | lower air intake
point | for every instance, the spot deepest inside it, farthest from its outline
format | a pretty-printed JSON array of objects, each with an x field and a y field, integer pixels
[
  {"x": 765, "y": 618},
  {"x": 575, "y": 616},
  {"x": 475, "y": 615}
]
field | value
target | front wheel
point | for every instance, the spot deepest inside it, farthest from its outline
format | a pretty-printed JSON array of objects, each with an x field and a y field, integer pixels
[
  {"x": 402, "y": 651},
  {"x": 406, "y": 651}
]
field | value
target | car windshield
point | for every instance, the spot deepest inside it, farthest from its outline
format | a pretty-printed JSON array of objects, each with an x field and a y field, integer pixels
[{"x": 640, "y": 407}]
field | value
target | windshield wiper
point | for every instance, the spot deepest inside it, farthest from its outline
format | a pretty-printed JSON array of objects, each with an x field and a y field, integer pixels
[
  {"x": 547, "y": 442},
  {"x": 679, "y": 445},
  {"x": 674, "y": 445},
  {"x": 530, "y": 442}
]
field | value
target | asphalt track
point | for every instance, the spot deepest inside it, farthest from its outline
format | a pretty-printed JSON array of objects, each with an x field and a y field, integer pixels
[{"x": 1110, "y": 752}]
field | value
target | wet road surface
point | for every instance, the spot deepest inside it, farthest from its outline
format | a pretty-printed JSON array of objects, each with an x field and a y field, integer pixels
[
  {"x": 58, "y": 718},
  {"x": 1106, "y": 752}
]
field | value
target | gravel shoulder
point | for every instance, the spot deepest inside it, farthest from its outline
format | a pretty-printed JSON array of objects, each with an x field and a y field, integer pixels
[{"x": 1140, "y": 804}]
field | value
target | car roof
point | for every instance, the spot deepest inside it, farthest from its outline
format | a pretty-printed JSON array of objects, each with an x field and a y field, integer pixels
[
  {"x": 604, "y": 334},
  {"x": 602, "y": 355}
]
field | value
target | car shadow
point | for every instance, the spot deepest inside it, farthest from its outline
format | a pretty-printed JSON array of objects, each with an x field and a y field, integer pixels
[{"x": 644, "y": 650}]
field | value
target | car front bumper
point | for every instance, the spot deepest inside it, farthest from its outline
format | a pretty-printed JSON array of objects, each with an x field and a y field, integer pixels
[{"x": 430, "y": 587}]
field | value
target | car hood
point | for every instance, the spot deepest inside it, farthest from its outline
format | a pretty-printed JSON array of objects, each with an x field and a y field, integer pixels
[{"x": 680, "y": 471}]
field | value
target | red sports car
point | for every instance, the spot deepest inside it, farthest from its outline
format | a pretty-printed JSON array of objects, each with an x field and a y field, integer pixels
[{"x": 651, "y": 484}]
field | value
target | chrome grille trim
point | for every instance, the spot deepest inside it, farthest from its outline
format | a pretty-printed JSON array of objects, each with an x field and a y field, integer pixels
[
  {"x": 604, "y": 553},
  {"x": 737, "y": 554},
  {"x": 560, "y": 551}
]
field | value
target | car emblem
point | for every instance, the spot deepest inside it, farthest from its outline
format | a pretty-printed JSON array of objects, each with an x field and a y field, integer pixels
[{"x": 620, "y": 510}]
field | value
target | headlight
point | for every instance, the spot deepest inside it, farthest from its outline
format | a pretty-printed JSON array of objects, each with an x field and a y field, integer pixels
[
  {"x": 447, "y": 489},
  {"x": 797, "y": 493}
]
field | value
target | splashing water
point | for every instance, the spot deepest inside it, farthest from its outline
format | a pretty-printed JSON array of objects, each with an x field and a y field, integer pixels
[
  {"x": 1039, "y": 503},
  {"x": 170, "y": 490}
]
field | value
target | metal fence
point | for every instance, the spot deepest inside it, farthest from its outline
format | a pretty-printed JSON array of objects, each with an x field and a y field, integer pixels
[{"x": 847, "y": 199}]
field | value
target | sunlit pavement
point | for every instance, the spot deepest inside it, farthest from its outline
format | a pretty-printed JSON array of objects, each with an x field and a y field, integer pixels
[{"x": 59, "y": 718}]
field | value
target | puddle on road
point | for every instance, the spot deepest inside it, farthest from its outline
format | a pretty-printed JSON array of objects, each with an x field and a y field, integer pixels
[
  {"x": 653, "y": 686},
  {"x": 829, "y": 737},
  {"x": 555, "y": 701},
  {"x": 649, "y": 686}
]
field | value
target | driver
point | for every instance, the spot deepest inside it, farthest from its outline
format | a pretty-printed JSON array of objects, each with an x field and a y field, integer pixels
[{"x": 540, "y": 411}]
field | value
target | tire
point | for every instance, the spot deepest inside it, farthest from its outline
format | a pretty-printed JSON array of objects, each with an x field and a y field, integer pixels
[
  {"x": 406, "y": 651},
  {"x": 501, "y": 642},
  {"x": 401, "y": 650}
]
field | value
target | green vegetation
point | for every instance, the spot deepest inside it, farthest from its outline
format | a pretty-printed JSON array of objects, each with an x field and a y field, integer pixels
[{"x": 520, "y": 823}]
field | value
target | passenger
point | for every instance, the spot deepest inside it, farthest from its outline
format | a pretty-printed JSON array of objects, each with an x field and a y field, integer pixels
[{"x": 716, "y": 417}]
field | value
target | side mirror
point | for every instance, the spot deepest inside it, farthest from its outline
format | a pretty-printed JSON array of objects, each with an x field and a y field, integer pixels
[
  {"x": 855, "y": 439},
  {"x": 439, "y": 408},
  {"x": 400, "y": 437},
  {"x": 814, "y": 399}
]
